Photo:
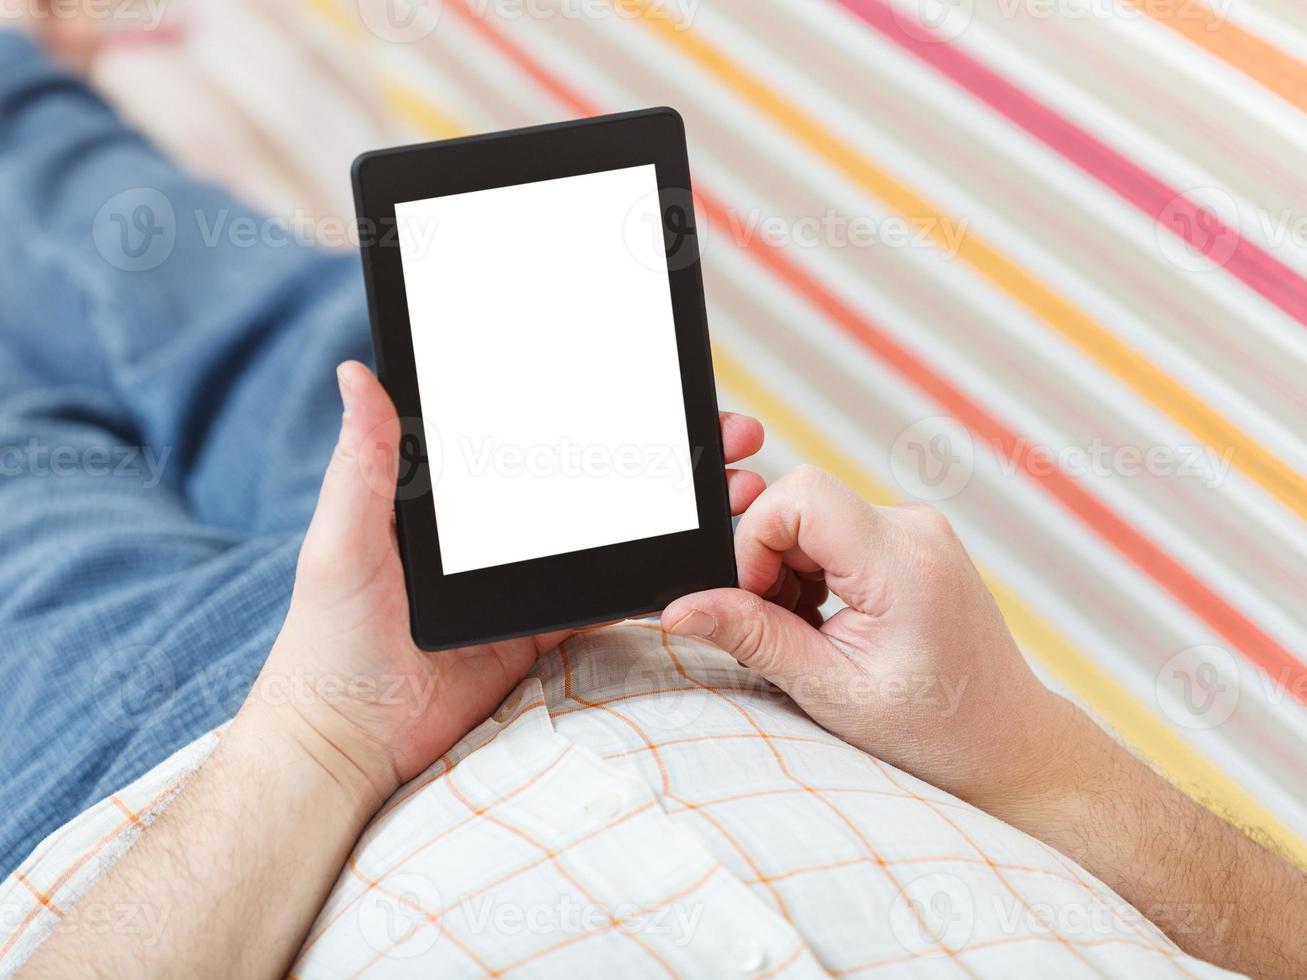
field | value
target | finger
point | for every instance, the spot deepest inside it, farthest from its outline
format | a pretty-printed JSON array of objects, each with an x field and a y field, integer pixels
[
  {"x": 744, "y": 487},
  {"x": 810, "y": 520},
  {"x": 355, "y": 509},
  {"x": 759, "y": 634},
  {"x": 742, "y": 436},
  {"x": 802, "y": 564}
]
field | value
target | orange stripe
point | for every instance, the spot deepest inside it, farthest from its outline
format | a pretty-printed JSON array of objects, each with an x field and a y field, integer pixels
[
  {"x": 1260, "y": 60},
  {"x": 570, "y": 693},
  {"x": 617, "y": 922},
  {"x": 1078, "y": 671},
  {"x": 1094, "y": 339},
  {"x": 869, "y": 850},
  {"x": 73, "y": 868},
  {"x": 374, "y": 881},
  {"x": 433, "y": 918},
  {"x": 551, "y": 855},
  {"x": 127, "y": 811}
]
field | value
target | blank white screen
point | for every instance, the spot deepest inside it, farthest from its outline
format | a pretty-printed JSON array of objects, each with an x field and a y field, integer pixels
[{"x": 547, "y": 367}]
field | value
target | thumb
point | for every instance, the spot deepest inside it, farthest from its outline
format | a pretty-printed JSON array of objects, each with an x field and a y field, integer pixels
[
  {"x": 352, "y": 523},
  {"x": 759, "y": 634}
]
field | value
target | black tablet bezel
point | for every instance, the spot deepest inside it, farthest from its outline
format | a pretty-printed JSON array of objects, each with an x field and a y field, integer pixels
[{"x": 578, "y": 588}]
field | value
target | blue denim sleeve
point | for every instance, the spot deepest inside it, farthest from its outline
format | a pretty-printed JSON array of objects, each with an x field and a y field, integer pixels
[
  {"x": 167, "y": 405},
  {"x": 214, "y": 328}
]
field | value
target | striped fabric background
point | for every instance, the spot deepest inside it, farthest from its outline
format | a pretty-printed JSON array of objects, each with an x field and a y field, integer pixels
[{"x": 1042, "y": 262}]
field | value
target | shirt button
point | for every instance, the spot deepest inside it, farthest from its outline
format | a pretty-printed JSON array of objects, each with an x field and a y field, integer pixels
[
  {"x": 749, "y": 958},
  {"x": 605, "y": 806},
  {"x": 508, "y": 708}
]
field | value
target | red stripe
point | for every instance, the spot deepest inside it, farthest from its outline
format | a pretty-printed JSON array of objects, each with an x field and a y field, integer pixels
[
  {"x": 1038, "y": 465},
  {"x": 1195, "y": 224},
  {"x": 1041, "y": 467},
  {"x": 529, "y": 66}
]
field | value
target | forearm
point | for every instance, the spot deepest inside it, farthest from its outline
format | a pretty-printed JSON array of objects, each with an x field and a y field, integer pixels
[
  {"x": 1215, "y": 892},
  {"x": 232, "y": 875}
]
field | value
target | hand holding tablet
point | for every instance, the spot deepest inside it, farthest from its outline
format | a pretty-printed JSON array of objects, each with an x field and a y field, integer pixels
[{"x": 538, "y": 318}]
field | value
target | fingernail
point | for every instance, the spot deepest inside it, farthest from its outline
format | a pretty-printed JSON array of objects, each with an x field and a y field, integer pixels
[
  {"x": 345, "y": 374},
  {"x": 696, "y": 623}
]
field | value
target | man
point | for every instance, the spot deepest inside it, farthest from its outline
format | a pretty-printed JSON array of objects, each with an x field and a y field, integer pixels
[{"x": 789, "y": 833}]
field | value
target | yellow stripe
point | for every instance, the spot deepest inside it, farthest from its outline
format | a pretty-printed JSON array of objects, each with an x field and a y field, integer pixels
[
  {"x": 1078, "y": 673},
  {"x": 1096, "y": 341},
  {"x": 418, "y": 112},
  {"x": 407, "y": 105},
  {"x": 331, "y": 12}
]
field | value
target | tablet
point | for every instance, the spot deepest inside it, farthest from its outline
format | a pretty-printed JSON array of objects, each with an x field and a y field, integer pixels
[{"x": 538, "y": 318}]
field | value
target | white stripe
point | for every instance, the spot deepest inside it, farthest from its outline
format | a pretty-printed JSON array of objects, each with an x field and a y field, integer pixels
[
  {"x": 1243, "y": 767},
  {"x": 1097, "y": 203},
  {"x": 1204, "y": 564},
  {"x": 1159, "y": 431},
  {"x": 1195, "y": 66},
  {"x": 458, "y": 41},
  {"x": 1092, "y": 115},
  {"x": 757, "y": 281},
  {"x": 836, "y": 347},
  {"x": 429, "y": 81},
  {"x": 1267, "y": 26},
  {"x": 1118, "y": 495}
]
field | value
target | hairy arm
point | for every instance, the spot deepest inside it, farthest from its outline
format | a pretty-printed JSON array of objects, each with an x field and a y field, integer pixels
[
  {"x": 230, "y": 878},
  {"x": 1216, "y": 892},
  {"x": 232, "y": 874},
  {"x": 917, "y": 609}
]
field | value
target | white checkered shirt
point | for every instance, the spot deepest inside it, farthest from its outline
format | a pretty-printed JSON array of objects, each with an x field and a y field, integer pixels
[{"x": 643, "y": 806}]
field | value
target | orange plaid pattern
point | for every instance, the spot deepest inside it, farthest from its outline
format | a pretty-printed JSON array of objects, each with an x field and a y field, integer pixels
[{"x": 642, "y": 804}]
